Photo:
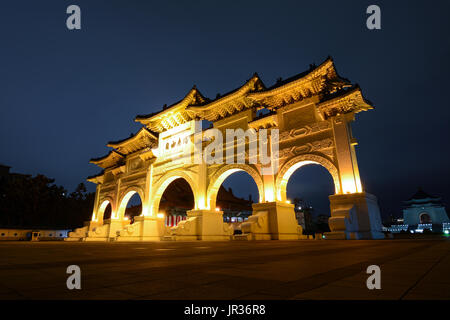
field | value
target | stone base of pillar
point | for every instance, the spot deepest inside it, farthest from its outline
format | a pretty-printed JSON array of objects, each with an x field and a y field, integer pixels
[
  {"x": 79, "y": 234},
  {"x": 354, "y": 216},
  {"x": 205, "y": 225},
  {"x": 143, "y": 229},
  {"x": 272, "y": 221},
  {"x": 107, "y": 231}
]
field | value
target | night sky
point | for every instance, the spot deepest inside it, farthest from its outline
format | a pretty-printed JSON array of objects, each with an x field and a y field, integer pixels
[{"x": 65, "y": 94}]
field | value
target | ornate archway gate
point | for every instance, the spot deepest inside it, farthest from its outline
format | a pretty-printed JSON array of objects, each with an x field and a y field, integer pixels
[{"x": 312, "y": 112}]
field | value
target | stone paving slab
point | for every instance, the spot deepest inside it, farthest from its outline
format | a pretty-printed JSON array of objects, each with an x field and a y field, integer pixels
[{"x": 410, "y": 269}]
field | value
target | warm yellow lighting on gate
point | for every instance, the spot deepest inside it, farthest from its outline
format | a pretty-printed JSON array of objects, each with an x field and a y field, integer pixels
[
  {"x": 126, "y": 218},
  {"x": 160, "y": 215},
  {"x": 269, "y": 194},
  {"x": 145, "y": 211},
  {"x": 288, "y": 201},
  {"x": 217, "y": 209},
  {"x": 201, "y": 203},
  {"x": 348, "y": 186}
]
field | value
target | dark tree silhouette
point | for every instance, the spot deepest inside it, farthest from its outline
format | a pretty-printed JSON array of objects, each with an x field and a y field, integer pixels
[{"x": 36, "y": 202}]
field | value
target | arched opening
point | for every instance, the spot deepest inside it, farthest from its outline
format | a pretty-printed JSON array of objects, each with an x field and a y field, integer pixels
[
  {"x": 297, "y": 162},
  {"x": 130, "y": 206},
  {"x": 308, "y": 186},
  {"x": 425, "y": 218},
  {"x": 133, "y": 208},
  {"x": 175, "y": 201},
  {"x": 244, "y": 171},
  {"x": 235, "y": 197},
  {"x": 104, "y": 211}
]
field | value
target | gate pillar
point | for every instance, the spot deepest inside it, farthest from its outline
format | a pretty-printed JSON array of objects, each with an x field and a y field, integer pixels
[
  {"x": 354, "y": 216},
  {"x": 272, "y": 221},
  {"x": 107, "y": 231},
  {"x": 202, "y": 225},
  {"x": 144, "y": 228}
]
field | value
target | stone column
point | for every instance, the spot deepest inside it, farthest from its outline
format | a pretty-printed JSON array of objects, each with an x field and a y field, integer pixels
[
  {"x": 345, "y": 153},
  {"x": 354, "y": 213},
  {"x": 146, "y": 202},
  {"x": 115, "y": 212},
  {"x": 95, "y": 218},
  {"x": 200, "y": 195}
]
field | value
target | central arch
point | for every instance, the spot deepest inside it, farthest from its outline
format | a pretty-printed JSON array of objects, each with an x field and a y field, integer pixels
[
  {"x": 224, "y": 172},
  {"x": 299, "y": 161}
]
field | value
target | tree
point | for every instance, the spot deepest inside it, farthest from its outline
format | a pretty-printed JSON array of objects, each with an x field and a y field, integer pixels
[{"x": 36, "y": 202}]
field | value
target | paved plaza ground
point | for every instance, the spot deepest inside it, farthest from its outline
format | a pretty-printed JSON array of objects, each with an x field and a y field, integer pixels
[{"x": 321, "y": 269}]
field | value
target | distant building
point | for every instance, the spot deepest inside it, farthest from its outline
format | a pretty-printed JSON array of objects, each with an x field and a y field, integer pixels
[
  {"x": 399, "y": 220},
  {"x": 4, "y": 170},
  {"x": 304, "y": 215},
  {"x": 234, "y": 209},
  {"x": 423, "y": 208},
  {"x": 422, "y": 212}
]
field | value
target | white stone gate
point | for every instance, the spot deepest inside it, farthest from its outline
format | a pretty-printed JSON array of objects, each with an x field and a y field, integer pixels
[{"x": 312, "y": 112}]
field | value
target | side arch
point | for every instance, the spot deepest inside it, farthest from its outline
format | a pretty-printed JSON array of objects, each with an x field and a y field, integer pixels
[
  {"x": 224, "y": 172},
  {"x": 103, "y": 203},
  {"x": 296, "y": 162},
  {"x": 164, "y": 182},
  {"x": 125, "y": 197}
]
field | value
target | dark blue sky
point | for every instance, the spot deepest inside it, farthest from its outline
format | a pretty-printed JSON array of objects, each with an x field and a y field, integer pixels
[{"x": 65, "y": 94}]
